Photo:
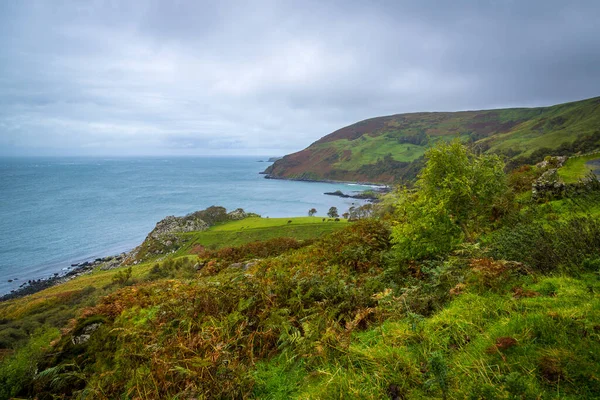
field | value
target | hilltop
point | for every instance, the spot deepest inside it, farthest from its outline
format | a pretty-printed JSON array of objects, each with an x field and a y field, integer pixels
[{"x": 390, "y": 149}]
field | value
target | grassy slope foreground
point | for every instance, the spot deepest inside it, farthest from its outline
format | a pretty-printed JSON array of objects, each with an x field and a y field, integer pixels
[
  {"x": 493, "y": 297},
  {"x": 389, "y": 149}
]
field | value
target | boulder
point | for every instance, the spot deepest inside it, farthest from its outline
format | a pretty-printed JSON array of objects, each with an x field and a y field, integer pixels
[{"x": 86, "y": 333}]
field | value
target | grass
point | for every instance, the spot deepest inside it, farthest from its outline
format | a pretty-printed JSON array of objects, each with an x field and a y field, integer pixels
[
  {"x": 253, "y": 229},
  {"x": 577, "y": 168},
  {"x": 553, "y": 348},
  {"x": 368, "y": 149}
]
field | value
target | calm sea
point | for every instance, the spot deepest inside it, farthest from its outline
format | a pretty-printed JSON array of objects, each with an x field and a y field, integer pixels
[{"x": 58, "y": 211}]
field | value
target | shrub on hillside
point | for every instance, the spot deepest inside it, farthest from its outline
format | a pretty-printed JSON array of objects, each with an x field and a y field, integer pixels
[
  {"x": 457, "y": 195},
  {"x": 548, "y": 246}
]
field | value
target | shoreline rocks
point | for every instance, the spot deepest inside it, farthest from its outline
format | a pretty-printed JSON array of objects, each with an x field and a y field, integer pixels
[
  {"x": 162, "y": 239},
  {"x": 36, "y": 285},
  {"x": 368, "y": 195}
]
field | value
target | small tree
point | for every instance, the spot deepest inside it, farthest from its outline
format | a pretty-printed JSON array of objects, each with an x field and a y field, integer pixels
[
  {"x": 457, "y": 194},
  {"x": 333, "y": 212},
  {"x": 312, "y": 212},
  {"x": 121, "y": 277}
]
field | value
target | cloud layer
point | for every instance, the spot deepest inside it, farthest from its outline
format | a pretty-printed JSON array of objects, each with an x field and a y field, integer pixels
[{"x": 270, "y": 77}]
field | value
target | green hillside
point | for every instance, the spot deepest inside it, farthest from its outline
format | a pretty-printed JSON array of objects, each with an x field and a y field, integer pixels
[
  {"x": 390, "y": 149},
  {"x": 465, "y": 289}
]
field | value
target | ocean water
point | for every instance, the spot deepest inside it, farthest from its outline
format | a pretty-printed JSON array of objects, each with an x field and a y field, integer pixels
[{"x": 58, "y": 211}]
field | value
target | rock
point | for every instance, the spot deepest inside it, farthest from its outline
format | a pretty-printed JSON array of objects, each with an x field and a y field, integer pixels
[
  {"x": 86, "y": 333},
  {"x": 237, "y": 214},
  {"x": 552, "y": 162},
  {"x": 548, "y": 185},
  {"x": 249, "y": 265},
  {"x": 172, "y": 224}
]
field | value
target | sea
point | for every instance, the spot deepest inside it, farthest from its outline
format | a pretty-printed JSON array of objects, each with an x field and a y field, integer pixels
[{"x": 55, "y": 212}]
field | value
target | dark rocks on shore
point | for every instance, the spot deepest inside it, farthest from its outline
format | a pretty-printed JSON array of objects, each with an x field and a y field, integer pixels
[
  {"x": 369, "y": 195},
  {"x": 36, "y": 285}
]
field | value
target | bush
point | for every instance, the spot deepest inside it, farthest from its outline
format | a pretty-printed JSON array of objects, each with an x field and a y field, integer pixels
[
  {"x": 457, "y": 195},
  {"x": 548, "y": 246},
  {"x": 121, "y": 277}
]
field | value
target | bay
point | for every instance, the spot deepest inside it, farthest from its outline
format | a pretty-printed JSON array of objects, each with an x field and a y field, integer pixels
[{"x": 58, "y": 211}]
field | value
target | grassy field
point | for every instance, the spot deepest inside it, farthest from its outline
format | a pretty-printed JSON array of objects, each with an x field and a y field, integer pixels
[
  {"x": 253, "y": 229},
  {"x": 577, "y": 168}
]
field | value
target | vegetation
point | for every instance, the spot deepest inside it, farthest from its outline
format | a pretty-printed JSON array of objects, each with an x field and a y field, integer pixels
[
  {"x": 457, "y": 195},
  {"x": 390, "y": 149},
  {"x": 460, "y": 288},
  {"x": 578, "y": 167}
]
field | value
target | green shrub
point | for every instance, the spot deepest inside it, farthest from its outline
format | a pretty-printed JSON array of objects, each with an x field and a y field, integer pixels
[
  {"x": 121, "y": 277},
  {"x": 548, "y": 246},
  {"x": 457, "y": 195}
]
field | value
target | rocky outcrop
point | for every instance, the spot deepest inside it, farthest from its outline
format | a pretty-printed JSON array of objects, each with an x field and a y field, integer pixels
[
  {"x": 552, "y": 162},
  {"x": 166, "y": 236},
  {"x": 172, "y": 224},
  {"x": 237, "y": 214},
  {"x": 547, "y": 186}
]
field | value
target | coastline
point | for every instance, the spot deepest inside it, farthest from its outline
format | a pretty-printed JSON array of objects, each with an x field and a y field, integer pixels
[
  {"x": 32, "y": 286},
  {"x": 373, "y": 184},
  {"x": 70, "y": 271}
]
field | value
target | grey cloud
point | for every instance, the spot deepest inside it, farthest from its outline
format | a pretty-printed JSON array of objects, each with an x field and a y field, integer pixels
[{"x": 179, "y": 77}]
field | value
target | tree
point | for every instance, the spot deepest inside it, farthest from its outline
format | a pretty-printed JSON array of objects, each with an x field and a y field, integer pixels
[
  {"x": 457, "y": 194},
  {"x": 312, "y": 212},
  {"x": 121, "y": 277},
  {"x": 333, "y": 212},
  {"x": 364, "y": 211}
]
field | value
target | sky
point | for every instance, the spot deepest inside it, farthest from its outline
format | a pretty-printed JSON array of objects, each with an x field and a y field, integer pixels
[{"x": 144, "y": 77}]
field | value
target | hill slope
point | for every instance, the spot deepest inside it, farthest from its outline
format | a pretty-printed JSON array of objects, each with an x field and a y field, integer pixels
[{"x": 389, "y": 149}]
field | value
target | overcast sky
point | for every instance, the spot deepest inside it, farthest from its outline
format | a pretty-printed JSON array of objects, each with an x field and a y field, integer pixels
[{"x": 270, "y": 77}]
